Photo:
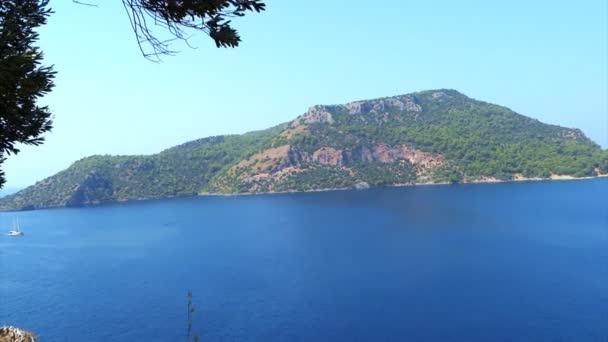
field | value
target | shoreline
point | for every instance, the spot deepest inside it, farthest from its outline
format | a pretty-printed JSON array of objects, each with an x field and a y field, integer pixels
[
  {"x": 477, "y": 181},
  {"x": 206, "y": 194}
]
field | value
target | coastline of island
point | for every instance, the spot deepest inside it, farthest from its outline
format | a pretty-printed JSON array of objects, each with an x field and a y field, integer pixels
[{"x": 486, "y": 180}]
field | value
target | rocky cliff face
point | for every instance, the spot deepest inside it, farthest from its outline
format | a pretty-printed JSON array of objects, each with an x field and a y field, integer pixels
[
  {"x": 278, "y": 163},
  {"x": 404, "y": 103}
]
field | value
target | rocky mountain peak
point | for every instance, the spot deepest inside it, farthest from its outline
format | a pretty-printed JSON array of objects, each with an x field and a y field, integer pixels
[
  {"x": 405, "y": 103},
  {"x": 315, "y": 114}
]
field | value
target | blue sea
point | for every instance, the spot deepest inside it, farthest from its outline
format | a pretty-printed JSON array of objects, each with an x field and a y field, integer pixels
[{"x": 474, "y": 262}]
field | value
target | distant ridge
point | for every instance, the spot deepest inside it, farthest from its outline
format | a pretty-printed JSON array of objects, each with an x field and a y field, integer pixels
[
  {"x": 8, "y": 191},
  {"x": 429, "y": 136}
]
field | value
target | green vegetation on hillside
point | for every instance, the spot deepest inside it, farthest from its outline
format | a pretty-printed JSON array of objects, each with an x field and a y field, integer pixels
[
  {"x": 316, "y": 177},
  {"x": 480, "y": 139},
  {"x": 448, "y": 136},
  {"x": 182, "y": 170}
]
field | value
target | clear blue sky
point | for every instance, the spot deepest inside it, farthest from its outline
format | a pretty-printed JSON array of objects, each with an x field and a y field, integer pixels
[{"x": 544, "y": 59}]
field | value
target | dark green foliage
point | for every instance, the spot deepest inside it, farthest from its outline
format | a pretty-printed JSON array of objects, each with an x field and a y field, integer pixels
[
  {"x": 479, "y": 139},
  {"x": 380, "y": 174},
  {"x": 179, "y": 171},
  {"x": 315, "y": 177},
  {"x": 602, "y": 162},
  {"x": 180, "y": 17},
  {"x": 487, "y": 140},
  {"x": 22, "y": 78},
  {"x": 448, "y": 173}
]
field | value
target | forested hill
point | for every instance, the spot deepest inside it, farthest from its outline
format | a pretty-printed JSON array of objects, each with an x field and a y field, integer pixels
[{"x": 429, "y": 136}]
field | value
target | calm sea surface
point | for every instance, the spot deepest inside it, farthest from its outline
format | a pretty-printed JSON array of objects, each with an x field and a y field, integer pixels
[{"x": 484, "y": 262}]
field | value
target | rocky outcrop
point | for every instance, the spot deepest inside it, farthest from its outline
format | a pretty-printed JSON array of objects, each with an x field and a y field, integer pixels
[
  {"x": 438, "y": 95},
  {"x": 402, "y": 103},
  {"x": 384, "y": 153},
  {"x": 276, "y": 157},
  {"x": 327, "y": 156},
  {"x": 361, "y": 186},
  {"x": 322, "y": 114},
  {"x": 315, "y": 114},
  {"x": 572, "y": 133},
  {"x": 12, "y": 334},
  {"x": 265, "y": 167}
]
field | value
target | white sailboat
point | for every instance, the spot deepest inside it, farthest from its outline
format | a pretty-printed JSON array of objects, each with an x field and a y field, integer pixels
[{"x": 15, "y": 231}]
